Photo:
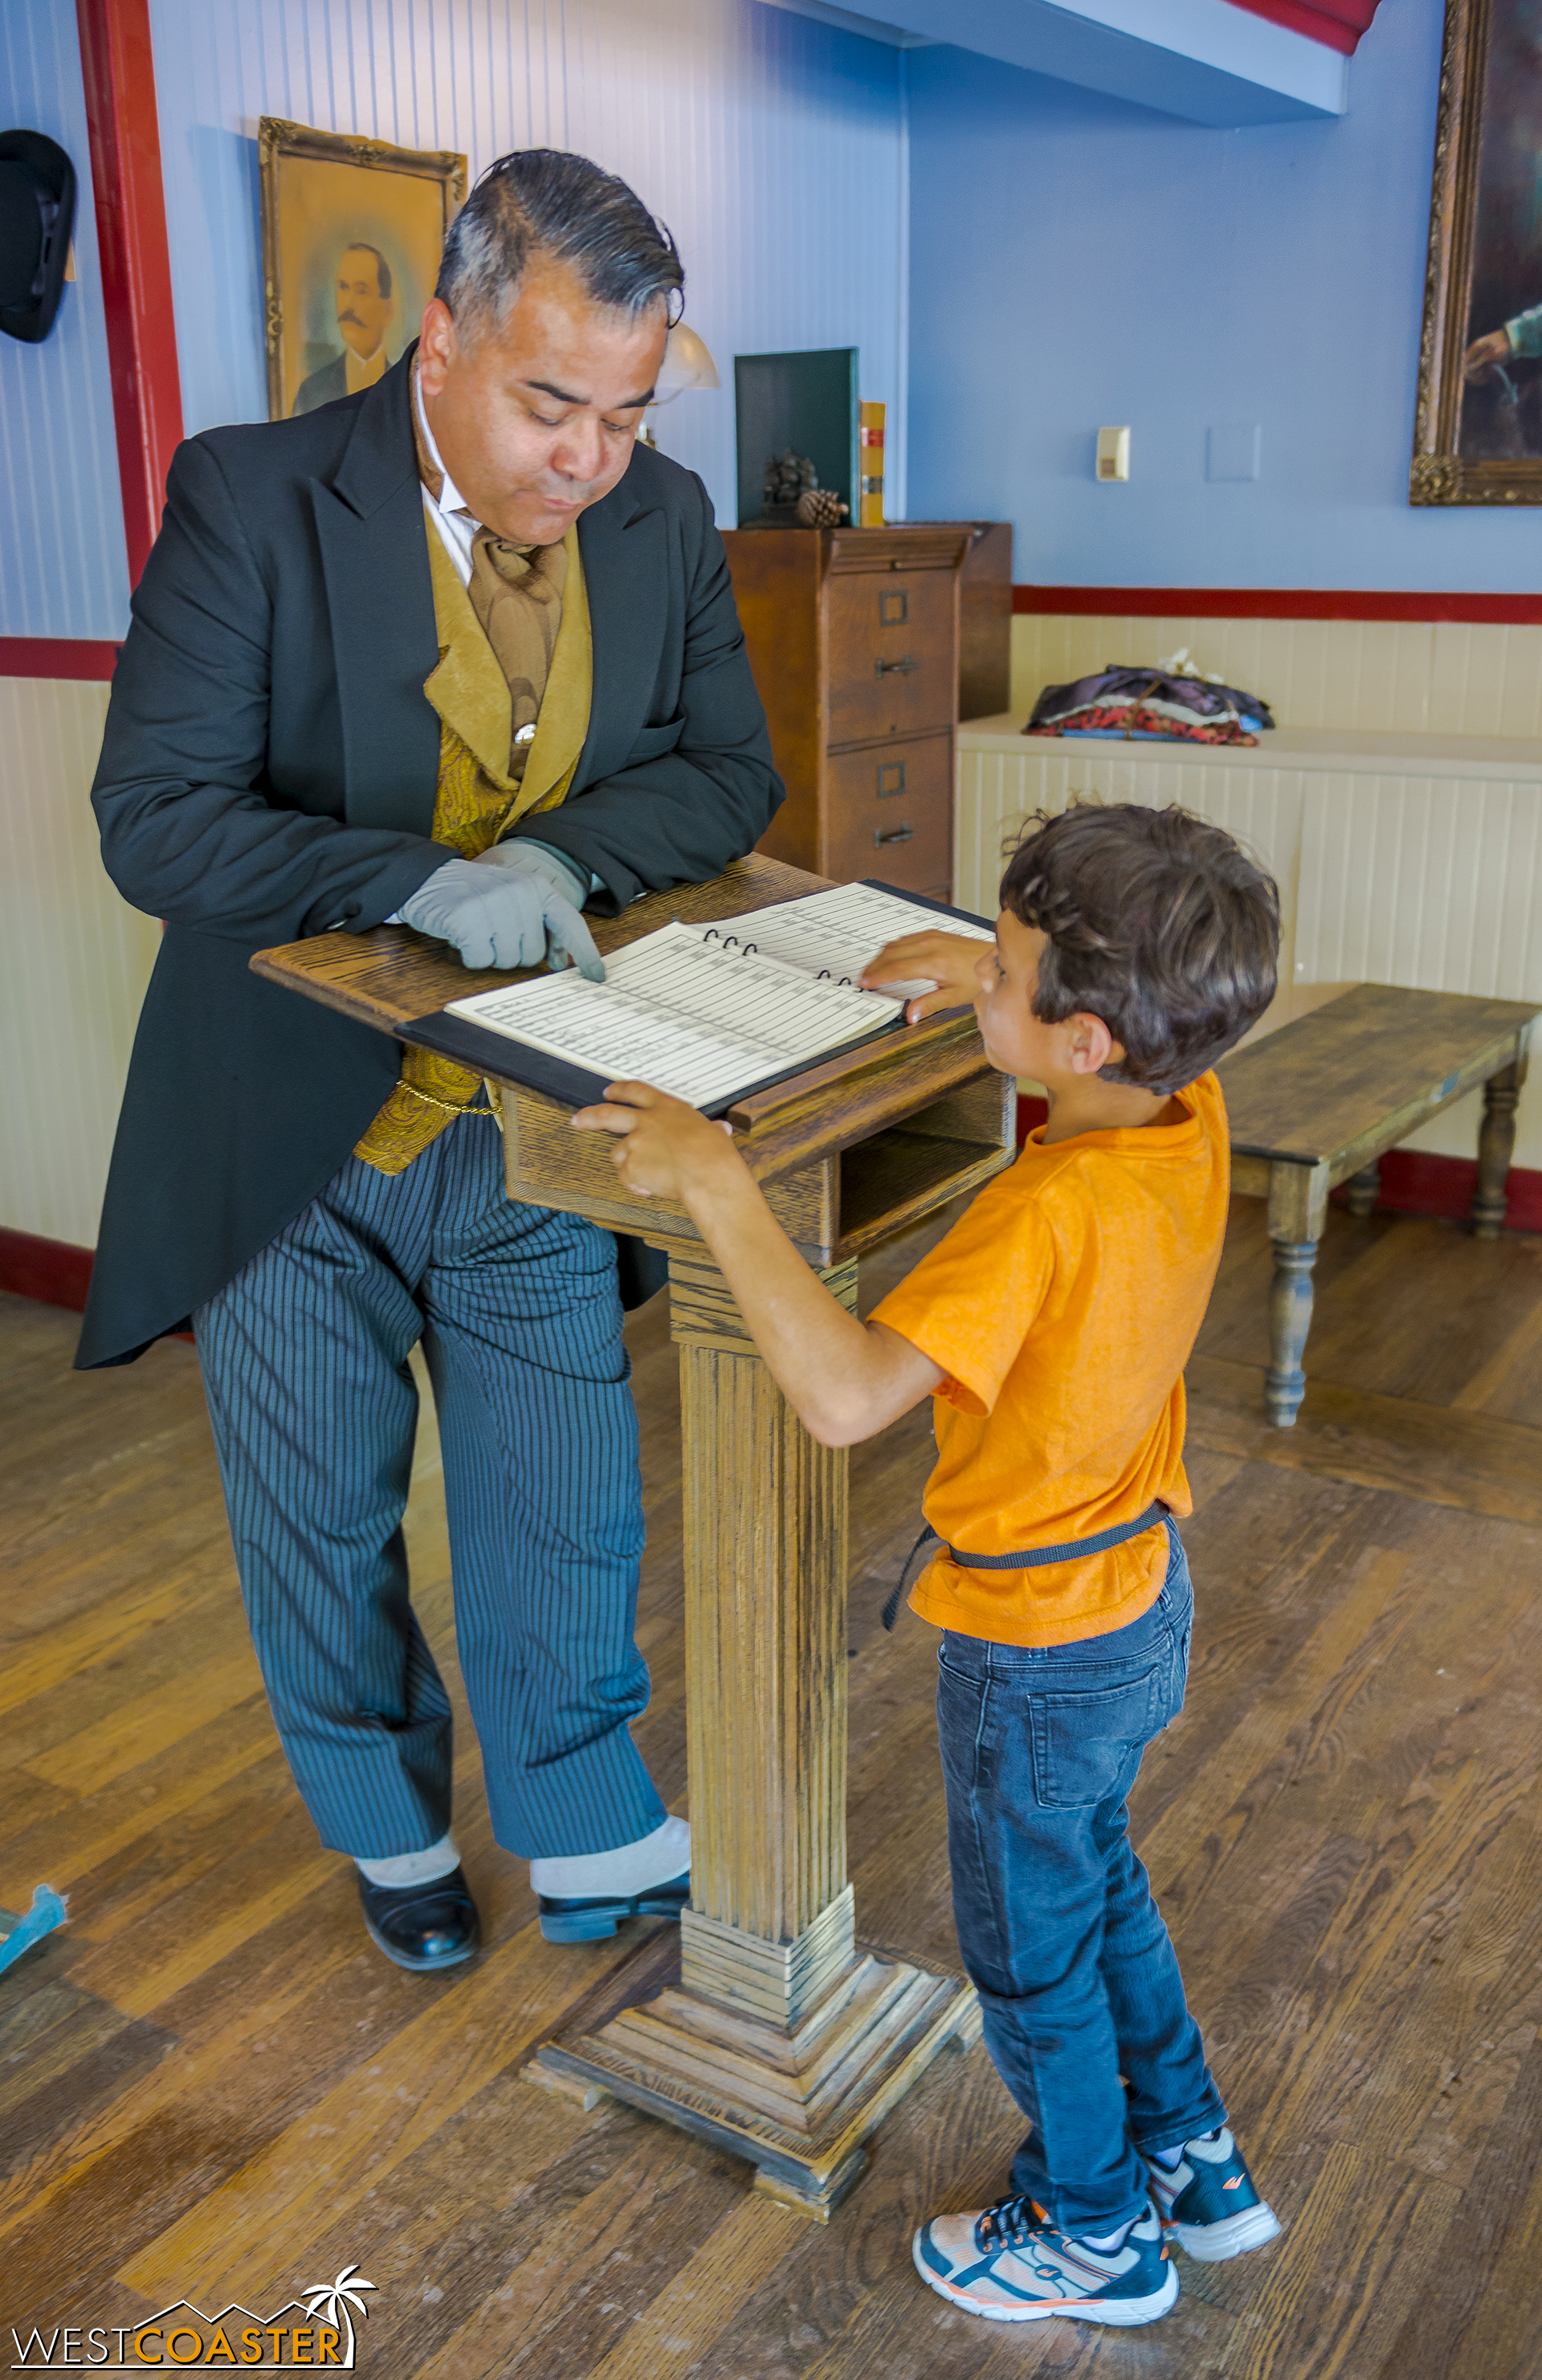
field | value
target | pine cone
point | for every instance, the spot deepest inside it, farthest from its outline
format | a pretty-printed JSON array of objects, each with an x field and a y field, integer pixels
[{"x": 820, "y": 508}]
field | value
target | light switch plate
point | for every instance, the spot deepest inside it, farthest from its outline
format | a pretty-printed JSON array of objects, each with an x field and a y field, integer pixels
[{"x": 1113, "y": 454}]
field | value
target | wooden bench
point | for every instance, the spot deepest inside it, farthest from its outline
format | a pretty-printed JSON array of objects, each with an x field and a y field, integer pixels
[{"x": 1321, "y": 1101}]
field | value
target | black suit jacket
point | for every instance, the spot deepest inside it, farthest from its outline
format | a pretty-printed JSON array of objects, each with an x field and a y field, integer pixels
[{"x": 269, "y": 772}]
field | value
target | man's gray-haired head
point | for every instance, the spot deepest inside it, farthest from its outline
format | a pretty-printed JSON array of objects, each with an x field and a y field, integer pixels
[{"x": 545, "y": 202}]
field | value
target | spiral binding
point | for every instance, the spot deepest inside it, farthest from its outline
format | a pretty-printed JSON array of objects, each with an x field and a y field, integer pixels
[{"x": 751, "y": 950}]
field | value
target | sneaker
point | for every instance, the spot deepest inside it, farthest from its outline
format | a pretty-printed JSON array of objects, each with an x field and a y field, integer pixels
[
  {"x": 1208, "y": 2202},
  {"x": 596, "y": 1919},
  {"x": 1010, "y": 2263}
]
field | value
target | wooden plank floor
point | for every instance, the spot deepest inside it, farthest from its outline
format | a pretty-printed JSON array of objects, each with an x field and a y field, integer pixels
[{"x": 212, "y": 2087}]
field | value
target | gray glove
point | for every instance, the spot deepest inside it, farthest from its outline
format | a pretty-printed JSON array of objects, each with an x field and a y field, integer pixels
[
  {"x": 562, "y": 873},
  {"x": 512, "y": 908}
]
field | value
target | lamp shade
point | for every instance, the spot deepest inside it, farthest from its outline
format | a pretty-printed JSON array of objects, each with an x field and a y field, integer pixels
[{"x": 687, "y": 364}]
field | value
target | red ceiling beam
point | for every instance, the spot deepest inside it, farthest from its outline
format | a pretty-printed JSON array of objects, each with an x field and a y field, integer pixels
[
  {"x": 119, "y": 71},
  {"x": 1338, "y": 24}
]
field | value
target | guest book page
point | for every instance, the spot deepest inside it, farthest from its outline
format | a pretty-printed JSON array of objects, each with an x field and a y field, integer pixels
[
  {"x": 836, "y": 933},
  {"x": 710, "y": 1013},
  {"x": 699, "y": 1019}
]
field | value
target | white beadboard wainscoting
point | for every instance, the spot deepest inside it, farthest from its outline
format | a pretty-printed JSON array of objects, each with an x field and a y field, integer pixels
[
  {"x": 74, "y": 963},
  {"x": 1401, "y": 859}
]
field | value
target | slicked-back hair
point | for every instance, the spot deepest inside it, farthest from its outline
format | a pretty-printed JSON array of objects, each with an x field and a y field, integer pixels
[
  {"x": 383, "y": 271},
  {"x": 546, "y": 202},
  {"x": 1157, "y": 922}
]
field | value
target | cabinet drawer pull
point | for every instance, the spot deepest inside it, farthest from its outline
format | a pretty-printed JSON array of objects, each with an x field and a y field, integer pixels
[
  {"x": 901, "y": 668},
  {"x": 892, "y": 834}
]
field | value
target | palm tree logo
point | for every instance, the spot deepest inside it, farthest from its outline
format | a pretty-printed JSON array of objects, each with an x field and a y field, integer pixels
[{"x": 334, "y": 2303}]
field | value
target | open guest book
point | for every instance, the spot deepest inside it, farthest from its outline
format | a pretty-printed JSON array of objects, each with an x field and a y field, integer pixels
[{"x": 710, "y": 1013}]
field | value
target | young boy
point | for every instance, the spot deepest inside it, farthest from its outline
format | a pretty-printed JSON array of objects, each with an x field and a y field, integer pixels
[{"x": 1051, "y": 1325}]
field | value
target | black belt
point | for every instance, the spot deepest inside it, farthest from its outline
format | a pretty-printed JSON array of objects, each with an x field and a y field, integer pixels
[{"x": 1039, "y": 1558}]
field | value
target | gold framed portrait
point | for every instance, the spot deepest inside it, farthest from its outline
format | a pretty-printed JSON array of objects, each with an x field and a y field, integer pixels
[
  {"x": 352, "y": 232},
  {"x": 1478, "y": 437}
]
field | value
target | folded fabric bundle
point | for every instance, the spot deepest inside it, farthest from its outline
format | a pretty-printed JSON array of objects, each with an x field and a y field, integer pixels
[{"x": 1167, "y": 702}]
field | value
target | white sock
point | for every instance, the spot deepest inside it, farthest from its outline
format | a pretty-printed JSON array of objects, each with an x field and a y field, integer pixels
[
  {"x": 630, "y": 1868},
  {"x": 413, "y": 1868},
  {"x": 1169, "y": 2158},
  {"x": 1110, "y": 2241}
]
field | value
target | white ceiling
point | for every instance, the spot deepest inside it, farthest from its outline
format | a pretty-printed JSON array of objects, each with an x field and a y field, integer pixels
[{"x": 1205, "y": 60}]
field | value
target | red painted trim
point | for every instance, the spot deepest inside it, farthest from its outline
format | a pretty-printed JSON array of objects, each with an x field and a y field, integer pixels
[
  {"x": 1416, "y": 1183},
  {"x": 49, "y": 1270},
  {"x": 69, "y": 657},
  {"x": 1280, "y": 603},
  {"x": 1337, "y": 24},
  {"x": 1413, "y": 1182},
  {"x": 119, "y": 71}
]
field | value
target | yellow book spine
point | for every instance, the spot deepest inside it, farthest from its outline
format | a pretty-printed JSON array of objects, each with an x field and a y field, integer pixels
[{"x": 870, "y": 494}]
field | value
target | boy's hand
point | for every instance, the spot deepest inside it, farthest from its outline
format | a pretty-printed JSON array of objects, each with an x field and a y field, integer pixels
[
  {"x": 950, "y": 960},
  {"x": 662, "y": 1145},
  {"x": 845, "y": 1378}
]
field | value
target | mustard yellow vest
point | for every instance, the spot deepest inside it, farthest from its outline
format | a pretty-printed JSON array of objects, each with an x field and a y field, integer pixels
[{"x": 476, "y": 800}]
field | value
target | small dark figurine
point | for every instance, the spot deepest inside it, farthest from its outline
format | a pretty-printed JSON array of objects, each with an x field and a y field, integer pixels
[
  {"x": 820, "y": 508},
  {"x": 788, "y": 477}
]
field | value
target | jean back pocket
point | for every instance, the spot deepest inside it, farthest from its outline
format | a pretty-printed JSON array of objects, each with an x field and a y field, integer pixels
[{"x": 1088, "y": 1746}]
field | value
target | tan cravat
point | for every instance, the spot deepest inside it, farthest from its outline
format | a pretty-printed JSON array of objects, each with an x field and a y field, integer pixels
[{"x": 516, "y": 593}]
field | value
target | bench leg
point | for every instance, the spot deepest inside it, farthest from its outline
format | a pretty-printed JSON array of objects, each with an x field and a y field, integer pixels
[
  {"x": 1496, "y": 1139},
  {"x": 1364, "y": 1189},
  {"x": 1290, "y": 1319}
]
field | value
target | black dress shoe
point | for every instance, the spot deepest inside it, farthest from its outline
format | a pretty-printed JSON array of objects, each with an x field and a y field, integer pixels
[
  {"x": 424, "y": 1927},
  {"x": 594, "y": 1920}
]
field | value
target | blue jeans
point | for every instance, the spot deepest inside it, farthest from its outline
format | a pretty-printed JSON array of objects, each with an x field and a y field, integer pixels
[{"x": 1076, "y": 1970}]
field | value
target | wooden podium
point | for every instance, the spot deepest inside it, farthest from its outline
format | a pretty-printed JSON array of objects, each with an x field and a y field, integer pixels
[{"x": 764, "y": 2026}]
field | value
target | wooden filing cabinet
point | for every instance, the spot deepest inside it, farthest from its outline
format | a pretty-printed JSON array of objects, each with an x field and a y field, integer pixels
[
  {"x": 985, "y": 623},
  {"x": 854, "y": 639}
]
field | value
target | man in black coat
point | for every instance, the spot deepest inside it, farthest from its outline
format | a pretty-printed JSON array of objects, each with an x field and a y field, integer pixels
[{"x": 273, "y": 768}]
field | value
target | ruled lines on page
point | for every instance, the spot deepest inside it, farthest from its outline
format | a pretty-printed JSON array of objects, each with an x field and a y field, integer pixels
[
  {"x": 836, "y": 933},
  {"x": 695, "y": 1018}
]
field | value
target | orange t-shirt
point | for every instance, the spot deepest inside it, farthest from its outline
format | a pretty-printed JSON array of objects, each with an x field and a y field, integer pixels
[{"x": 1062, "y": 1307}]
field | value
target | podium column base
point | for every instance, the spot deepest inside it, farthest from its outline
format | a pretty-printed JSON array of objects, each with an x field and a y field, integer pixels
[{"x": 798, "y": 2099}]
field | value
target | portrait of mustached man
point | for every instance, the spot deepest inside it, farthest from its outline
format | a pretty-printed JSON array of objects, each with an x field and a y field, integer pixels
[
  {"x": 366, "y": 302},
  {"x": 455, "y": 651}
]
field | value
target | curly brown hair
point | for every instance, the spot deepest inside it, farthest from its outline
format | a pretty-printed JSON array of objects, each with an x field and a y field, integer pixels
[{"x": 1158, "y": 922}]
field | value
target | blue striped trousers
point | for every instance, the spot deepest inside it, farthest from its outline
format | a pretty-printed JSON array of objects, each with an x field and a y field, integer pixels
[{"x": 314, "y": 1411}]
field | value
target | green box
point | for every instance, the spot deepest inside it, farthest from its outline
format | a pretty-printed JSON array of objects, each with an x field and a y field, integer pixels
[{"x": 807, "y": 400}]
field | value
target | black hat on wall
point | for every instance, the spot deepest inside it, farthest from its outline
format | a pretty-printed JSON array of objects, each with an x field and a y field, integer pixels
[{"x": 37, "y": 217}]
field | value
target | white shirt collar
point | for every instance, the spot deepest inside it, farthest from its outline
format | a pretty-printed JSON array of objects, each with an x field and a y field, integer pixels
[{"x": 449, "y": 499}]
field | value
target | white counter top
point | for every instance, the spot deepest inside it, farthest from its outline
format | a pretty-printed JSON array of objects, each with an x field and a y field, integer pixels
[{"x": 1362, "y": 750}]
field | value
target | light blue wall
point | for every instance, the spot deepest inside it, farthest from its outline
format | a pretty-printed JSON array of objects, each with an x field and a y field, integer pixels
[
  {"x": 1079, "y": 261},
  {"x": 64, "y": 571},
  {"x": 773, "y": 146},
  {"x": 1074, "y": 260}
]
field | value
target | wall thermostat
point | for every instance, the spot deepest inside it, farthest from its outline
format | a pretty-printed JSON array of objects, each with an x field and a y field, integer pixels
[{"x": 1113, "y": 454}]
